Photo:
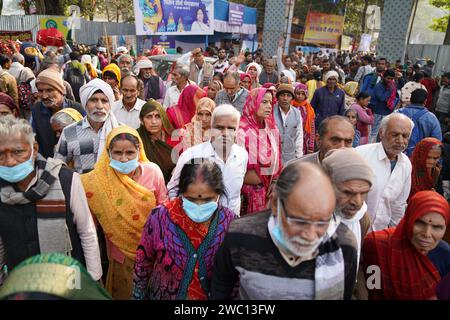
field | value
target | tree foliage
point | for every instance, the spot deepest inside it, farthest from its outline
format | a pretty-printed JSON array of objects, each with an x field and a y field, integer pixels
[{"x": 440, "y": 24}]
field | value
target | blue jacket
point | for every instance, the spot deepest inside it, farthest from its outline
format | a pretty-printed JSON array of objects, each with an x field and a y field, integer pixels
[
  {"x": 381, "y": 95},
  {"x": 367, "y": 87},
  {"x": 428, "y": 124}
]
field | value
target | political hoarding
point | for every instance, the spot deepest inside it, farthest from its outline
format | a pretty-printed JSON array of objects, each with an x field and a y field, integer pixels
[{"x": 174, "y": 17}]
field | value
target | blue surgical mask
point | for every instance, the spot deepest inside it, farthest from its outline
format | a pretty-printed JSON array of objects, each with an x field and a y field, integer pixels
[
  {"x": 18, "y": 172},
  {"x": 277, "y": 234},
  {"x": 199, "y": 212},
  {"x": 124, "y": 167}
]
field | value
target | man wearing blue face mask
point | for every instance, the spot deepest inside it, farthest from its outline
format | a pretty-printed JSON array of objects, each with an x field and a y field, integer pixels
[
  {"x": 38, "y": 212},
  {"x": 181, "y": 237},
  {"x": 296, "y": 250}
]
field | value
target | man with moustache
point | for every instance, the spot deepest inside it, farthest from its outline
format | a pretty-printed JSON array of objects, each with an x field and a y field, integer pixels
[
  {"x": 352, "y": 178},
  {"x": 386, "y": 200},
  {"x": 127, "y": 109},
  {"x": 52, "y": 91},
  {"x": 289, "y": 123},
  {"x": 297, "y": 249},
  {"x": 223, "y": 150},
  {"x": 84, "y": 141}
]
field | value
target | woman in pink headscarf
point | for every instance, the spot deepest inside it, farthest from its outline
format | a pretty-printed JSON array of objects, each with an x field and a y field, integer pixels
[
  {"x": 262, "y": 141},
  {"x": 184, "y": 111}
]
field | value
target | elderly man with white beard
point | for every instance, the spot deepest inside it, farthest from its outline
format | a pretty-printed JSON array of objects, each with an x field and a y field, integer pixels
[
  {"x": 82, "y": 142},
  {"x": 298, "y": 249}
]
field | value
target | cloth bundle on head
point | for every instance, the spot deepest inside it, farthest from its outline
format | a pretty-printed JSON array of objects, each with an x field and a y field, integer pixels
[
  {"x": 331, "y": 74},
  {"x": 350, "y": 88},
  {"x": 101, "y": 49},
  {"x": 52, "y": 77},
  {"x": 111, "y": 122},
  {"x": 9, "y": 102},
  {"x": 346, "y": 164},
  {"x": 142, "y": 64},
  {"x": 407, "y": 274},
  {"x": 256, "y": 66}
]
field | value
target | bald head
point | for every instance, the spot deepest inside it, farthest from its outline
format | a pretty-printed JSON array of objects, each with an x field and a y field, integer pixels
[{"x": 307, "y": 189}]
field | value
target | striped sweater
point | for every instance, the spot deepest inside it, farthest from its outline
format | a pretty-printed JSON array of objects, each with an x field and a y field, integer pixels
[{"x": 249, "y": 254}]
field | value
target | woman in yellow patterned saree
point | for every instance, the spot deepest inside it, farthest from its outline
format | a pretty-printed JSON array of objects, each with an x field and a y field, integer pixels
[{"x": 122, "y": 190}]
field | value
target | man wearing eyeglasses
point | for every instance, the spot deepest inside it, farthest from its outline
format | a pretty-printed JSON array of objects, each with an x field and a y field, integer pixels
[{"x": 295, "y": 250}]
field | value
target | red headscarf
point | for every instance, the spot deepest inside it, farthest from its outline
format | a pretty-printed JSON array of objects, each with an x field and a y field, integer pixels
[
  {"x": 246, "y": 75},
  {"x": 184, "y": 111},
  {"x": 406, "y": 273},
  {"x": 9, "y": 102},
  {"x": 421, "y": 178},
  {"x": 262, "y": 139}
]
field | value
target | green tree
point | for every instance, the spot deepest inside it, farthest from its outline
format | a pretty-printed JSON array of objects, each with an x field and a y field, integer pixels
[{"x": 442, "y": 24}]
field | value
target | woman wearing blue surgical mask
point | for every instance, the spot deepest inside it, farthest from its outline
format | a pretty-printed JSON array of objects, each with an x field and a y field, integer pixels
[
  {"x": 122, "y": 190},
  {"x": 179, "y": 242}
]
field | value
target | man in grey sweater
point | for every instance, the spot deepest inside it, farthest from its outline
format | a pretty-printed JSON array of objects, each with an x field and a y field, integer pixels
[{"x": 232, "y": 93}]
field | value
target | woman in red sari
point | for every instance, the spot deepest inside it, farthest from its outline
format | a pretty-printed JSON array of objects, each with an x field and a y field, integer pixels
[
  {"x": 412, "y": 256},
  {"x": 257, "y": 129},
  {"x": 425, "y": 165},
  {"x": 184, "y": 111},
  {"x": 308, "y": 116}
]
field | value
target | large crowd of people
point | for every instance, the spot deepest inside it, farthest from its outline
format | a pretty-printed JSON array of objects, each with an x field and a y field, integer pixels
[{"x": 319, "y": 176}]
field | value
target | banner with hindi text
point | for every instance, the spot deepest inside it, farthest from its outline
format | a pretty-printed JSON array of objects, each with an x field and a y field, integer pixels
[{"x": 323, "y": 28}]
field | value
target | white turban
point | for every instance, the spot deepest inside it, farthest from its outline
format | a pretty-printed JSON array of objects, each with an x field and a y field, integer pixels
[
  {"x": 85, "y": 58},
  {"x": 111, "y": 122},
  {"x": 91, "y": 87},
  {"x": 142, "y": 64},
  {"x": 122, "y": 50},
  {"x": 331, "y": 74},
  {"x": 257, "y": 66}
]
